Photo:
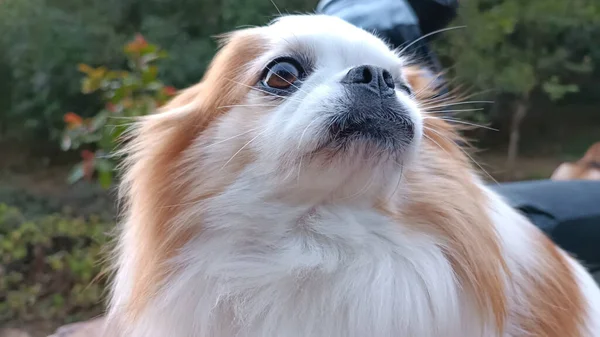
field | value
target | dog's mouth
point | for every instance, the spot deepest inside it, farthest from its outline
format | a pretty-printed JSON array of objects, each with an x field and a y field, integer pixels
[
  {"x": 385, "y": 124},
  {"x": 371, "y": 113},
  {"x": 371, "y": 121}
]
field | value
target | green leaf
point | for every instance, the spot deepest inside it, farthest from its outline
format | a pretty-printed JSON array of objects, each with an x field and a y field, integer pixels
[
  {"x": 556, "y": 90},
  {"x": 76, "y": 174},
  {"x": 104, "y": 165},
  {"x": 105, "y": 178},
  {"x": 99, "y": 120}
]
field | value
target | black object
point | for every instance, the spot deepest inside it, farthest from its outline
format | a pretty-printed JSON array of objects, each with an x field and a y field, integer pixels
[
  {"x": 434, "y": 14},
  {"x": 567, "y": 211},
  {"x": 400, "y": 22}
]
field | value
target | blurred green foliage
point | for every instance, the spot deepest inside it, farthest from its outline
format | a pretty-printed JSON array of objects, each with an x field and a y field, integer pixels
[
  {"x": 126, "y": 94},
  {"x": 43, "y": 41},
  {"x": 516, "y": 47},
  {"x": 523, "y": 48},
  {"x": 49, "y": 266}
]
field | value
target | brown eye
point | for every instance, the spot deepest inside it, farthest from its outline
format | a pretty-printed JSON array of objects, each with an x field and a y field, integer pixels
[{"x": 281, "y": 75}]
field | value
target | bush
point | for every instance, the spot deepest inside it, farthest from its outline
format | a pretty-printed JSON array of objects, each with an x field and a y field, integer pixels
[
  {"x": 42, "y": 42},
  {"x": 49, "y": 266},
  {"x": 126, "y": 94}
]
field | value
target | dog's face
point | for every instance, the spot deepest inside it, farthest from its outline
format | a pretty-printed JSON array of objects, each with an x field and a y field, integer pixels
[
  {"x": 322, "y": 107},
  {"x": 336, "y": 91}
]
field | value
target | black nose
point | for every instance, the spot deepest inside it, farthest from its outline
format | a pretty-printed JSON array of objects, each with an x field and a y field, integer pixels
[{"x": 370, "y": 76}]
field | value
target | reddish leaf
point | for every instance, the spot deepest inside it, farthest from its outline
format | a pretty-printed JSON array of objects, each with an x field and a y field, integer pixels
[
  {"x": 170, "y": 91},
  {"x": 72, "y": 119},
  {"x": 137, "y": 44},
  {"x": 88, "y": 164},
  {"x": 87, "y": 155},
  {"x": 111, "y": 107},
  {"x": 140, "y": 40}
]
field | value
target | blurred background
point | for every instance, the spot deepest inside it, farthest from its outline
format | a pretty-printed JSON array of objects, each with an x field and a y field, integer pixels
[{"x": 72, "y": 71}]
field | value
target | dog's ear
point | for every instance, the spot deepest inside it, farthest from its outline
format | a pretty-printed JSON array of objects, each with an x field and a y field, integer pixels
[
  {"x": 225, "y": 82},
  {"x": 152, "y": 188}
]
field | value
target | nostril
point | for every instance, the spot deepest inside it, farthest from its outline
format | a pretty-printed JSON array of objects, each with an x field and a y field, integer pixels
[
  {"x": 372, "y": 77},
  {"x": 367, "y": 76},
  {"x": 388, "y": 79}
]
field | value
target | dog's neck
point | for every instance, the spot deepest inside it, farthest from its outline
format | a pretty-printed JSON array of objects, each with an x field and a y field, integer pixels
[{"x": 333, "y": 270}]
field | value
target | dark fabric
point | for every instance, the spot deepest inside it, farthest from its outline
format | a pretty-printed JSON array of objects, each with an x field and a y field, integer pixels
[
  {"x": 402, "y": 23},
  {"x": 567, "y": 211},
  {"x": 396, "y": 21},
  {"x": 379, "y": 15},
  {"x": 434, "y": 14}
]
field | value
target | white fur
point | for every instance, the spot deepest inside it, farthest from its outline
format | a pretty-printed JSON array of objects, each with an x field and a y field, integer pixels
[
  {"x": 516, "y": 233},
  {"x": 322, "y": 262}
]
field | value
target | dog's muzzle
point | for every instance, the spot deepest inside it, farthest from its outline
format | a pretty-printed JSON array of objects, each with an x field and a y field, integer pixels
[{"x": 371, "y": 110}]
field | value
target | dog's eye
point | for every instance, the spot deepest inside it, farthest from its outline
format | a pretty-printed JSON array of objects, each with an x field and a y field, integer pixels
[{"x": 281, "y": 75}]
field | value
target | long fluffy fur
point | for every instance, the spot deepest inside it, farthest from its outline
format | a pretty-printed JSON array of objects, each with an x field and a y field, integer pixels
[{"x": 208, "y": 248}]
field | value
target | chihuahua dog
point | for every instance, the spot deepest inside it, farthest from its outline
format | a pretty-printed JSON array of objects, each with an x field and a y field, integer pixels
[{"x": 307, "y": 187}]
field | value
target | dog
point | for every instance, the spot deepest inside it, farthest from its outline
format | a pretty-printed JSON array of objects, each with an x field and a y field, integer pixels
[
  {"x": 307, "y": 187},
  {"x": 586, "y": 168}
]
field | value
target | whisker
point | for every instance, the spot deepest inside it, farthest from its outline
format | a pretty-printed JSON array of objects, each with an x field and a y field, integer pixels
[
  {"x": 463, "y": 122},
  {"x": 248, "y": 106},
  {"x": 465, "y": 152},
  {"x": 260, "y": 90},
  {"x": 460, "y": 103},
  {"x": 290, "y": 83},
  {"x": 299, "y": 169},
  {"x": 468, "y": 123},
  {"x": 277, "y": 8},
  {"x": 456, "y": 110},
  {"x": 450, "y": 97},
  {"x": 431, "y": 139},
  {"x": 416, "y": 94},
  {"x": 399, "y": 180},
  {"x": 428, "y": 35},
  {"x": 362, "y": 190},
  {"x": 269, "y": 94},
  {"x": 242, "y": 148},
  {"x": 304, "y": 132},
  {"x": 123, "y": 117},
  {"x": 230, "y": 138},
  {"x": 121, "y": 124}
]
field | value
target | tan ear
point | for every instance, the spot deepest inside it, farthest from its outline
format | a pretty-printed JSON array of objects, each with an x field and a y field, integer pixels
[
  {"x": 153, "y": 187},
  {"x": 226, "y": 81}
]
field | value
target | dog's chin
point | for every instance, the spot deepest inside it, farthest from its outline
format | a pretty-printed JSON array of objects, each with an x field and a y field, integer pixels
[{"x": 374, "y": 137}]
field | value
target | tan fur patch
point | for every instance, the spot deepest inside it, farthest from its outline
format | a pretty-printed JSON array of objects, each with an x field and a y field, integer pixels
[
  {"x": 587, "y": 168},
  {"x": 153, "y": 185},
  {"x": 437, "y": 206},
  {"x": 470, "y": 241},
  {"x": 552, "y": 295},
  {"x": 555, "y": 302}
]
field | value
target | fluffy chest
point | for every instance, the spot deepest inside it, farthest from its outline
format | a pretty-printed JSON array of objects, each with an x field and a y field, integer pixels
[{"x": 334, "y": 272}]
